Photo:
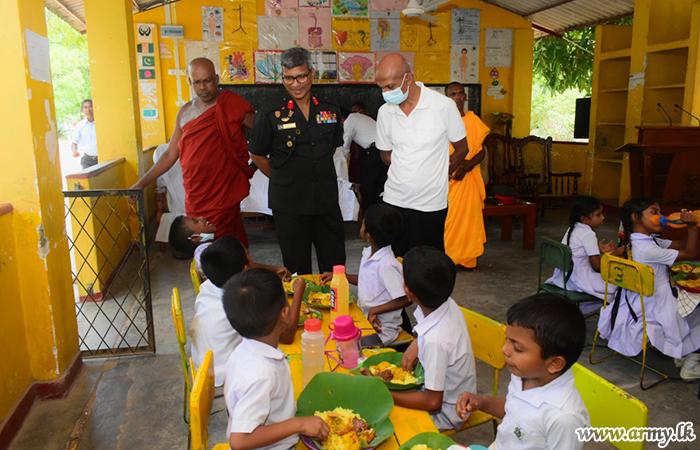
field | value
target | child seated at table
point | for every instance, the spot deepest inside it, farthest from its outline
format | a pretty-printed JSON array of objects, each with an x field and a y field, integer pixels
[
  {"x": 380, "y": 293},
  {"x": 443, "y": 346},
  {"x": 545, "y": 334},
  {"x": 210, "y": 329},
  {"x": 258, "y": 389}
]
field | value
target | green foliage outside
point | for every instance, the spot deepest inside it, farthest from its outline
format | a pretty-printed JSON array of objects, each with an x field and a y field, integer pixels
[{"x": 70, "y": 71}]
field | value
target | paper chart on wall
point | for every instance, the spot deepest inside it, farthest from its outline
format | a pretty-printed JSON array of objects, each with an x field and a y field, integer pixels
[
  {"x": 356, "y": 67},
  {"x": 498, "y": 50},
  {"x": 236, "y": 64},
  {"x": 410, "y": 34},
  {"x": 388, "y": 5},
  {"x": 38, "y": 56},
  {"x": 354, "y": 8},
  {"x": 267, "y": 66},
  {"x": 464, "y": 63},
  {"x": 435, "y": 36},
  {"x": 281, "y": 8},
  {"x": 277, "y": 33},
  {"x": 350, "y": 34},
  {"x": 315, "y": 28},
  {"x": 203, "y": 49},
  {"x": 315, "y": 3},
  {"x": 212, "y": 23},
  {"x": 385, "y": 31},
  {"x": 408, "y": 56},
  {"x": 240, "y": 23},
  {"x": 432, "y": 67},
  {"x": 466, "y": 26},
  {"x": 326, "y": 66}
]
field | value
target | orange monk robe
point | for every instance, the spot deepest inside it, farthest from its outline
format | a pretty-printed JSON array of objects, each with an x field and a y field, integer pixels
[{"x": 464, "y": 226}]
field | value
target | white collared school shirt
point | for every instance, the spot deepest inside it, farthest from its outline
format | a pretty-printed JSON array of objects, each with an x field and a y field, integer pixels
[
  {"x": 418, "y": 176},
  {"x": 361, "y": 129},
  {"x": 445, "y": 351},
  {"x": 258, "y": 390},
  {"x": 84, "y": 137},
  {"x": 542, "y": 418}
]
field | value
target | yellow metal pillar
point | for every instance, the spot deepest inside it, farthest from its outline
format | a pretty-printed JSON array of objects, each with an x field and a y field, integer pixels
[
  {"x": 110, "y": 35},
  {"x": 30, "y": 179}
]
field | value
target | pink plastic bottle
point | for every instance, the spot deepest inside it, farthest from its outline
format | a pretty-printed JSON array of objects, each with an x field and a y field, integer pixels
[{"x": 347, "y": 340}]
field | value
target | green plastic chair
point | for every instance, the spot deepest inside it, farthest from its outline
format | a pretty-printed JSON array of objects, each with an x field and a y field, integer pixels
[
  {"x": 558, "y": 255},
  {"x": 609, "y": 406}
]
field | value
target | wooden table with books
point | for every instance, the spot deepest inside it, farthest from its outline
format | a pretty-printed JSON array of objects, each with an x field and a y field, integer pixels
[{"x": 407, "y": 422}]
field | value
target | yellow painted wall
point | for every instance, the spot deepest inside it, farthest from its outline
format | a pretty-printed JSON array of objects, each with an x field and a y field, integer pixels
[
  {"x": 571, "y": 157},
  {"x": 517, "y": 81}
]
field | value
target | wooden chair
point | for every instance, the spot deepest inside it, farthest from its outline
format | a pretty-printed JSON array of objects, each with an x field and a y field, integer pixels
[
  {"x": 502, "y": 161},
  {"x": 487, "y": 337},
  {"x": 201, "y": 402},
  {"x": 609, "y": 406},
  {"x": 634, "y": 277},
  {"x": 558, "y": 255},
  {"x": 550, "y": 190}
]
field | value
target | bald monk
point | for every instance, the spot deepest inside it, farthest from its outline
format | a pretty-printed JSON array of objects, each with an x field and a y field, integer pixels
[
  {"x": 414, "y": 130},
  {"x": 464, "y": 227},
  {"x": 209, "y": 140}
]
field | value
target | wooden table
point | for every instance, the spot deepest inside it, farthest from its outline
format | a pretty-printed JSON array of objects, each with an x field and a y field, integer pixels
[
  {"x": 506, "y": 212},
  {"x": 407, "y": 422}
]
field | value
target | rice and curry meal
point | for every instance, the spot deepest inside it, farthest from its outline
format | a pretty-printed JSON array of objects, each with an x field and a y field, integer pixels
[
  {"x": 422, "y": 447},
  {"x": 319, "y": 299},
  {"x": 347, "y": 429},
  {"x": 392, "y": 373}
]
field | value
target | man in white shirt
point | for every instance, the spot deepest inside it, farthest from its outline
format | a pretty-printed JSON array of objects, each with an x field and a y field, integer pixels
[
  {"x": 83, "y": 138},
  {"x": 414, "y": 130}
]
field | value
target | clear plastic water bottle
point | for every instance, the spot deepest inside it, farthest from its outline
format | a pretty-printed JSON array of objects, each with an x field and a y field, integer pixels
[{"x": 312, "y": 350}]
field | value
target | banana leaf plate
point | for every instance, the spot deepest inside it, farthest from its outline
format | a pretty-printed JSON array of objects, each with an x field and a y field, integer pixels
[
  {"x": 434, "y": 441},
  {"x": 392, "y": 358}
]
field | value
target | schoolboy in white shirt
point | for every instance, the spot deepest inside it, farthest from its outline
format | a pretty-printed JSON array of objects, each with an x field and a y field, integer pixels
[
  {"x": 258, "y": 390},
  {"x": 545, "y": 336},
  {"x": 443, "y": 346}
]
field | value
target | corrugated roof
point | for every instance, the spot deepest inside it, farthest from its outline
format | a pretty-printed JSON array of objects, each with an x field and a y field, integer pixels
[{"x": 546, "y": 15}]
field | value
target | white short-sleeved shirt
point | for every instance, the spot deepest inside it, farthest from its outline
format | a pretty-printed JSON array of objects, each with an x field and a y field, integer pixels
[
  {"x": 445, "y": 351},
  {"x": 420, "y": 150},
  {"x": 211, "y": 330},
  {"x": 583, "y": 244},
  {"x": 361, "y": 129},
  {"x": 198, "y": 254},
  {"x": 84, "y": 137},
  {"x": 258, "y": 390},
  {"x": 542, "y": 418},
  {"x": 380, "y": 281}
]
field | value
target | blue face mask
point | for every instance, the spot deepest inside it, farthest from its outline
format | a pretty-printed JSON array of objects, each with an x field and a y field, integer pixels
[
  {"x": 396, "y": 97},
  {"x": 204, "y": 237}
]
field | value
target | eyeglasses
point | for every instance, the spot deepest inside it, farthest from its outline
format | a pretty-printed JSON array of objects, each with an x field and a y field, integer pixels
[{"x": 301, "y": 78}]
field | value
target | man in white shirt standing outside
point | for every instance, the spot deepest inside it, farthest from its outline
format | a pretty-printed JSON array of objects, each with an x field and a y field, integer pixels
[
  {"x": 414, "y": 129},
  {"x": 83, "y": 138}
]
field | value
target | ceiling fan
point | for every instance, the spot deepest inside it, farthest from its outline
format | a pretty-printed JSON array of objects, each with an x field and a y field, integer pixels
[{"x": 417, "y": 8}]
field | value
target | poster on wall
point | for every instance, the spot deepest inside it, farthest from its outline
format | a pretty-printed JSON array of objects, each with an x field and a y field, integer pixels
[
  {"x": 498, "y": 49},
  {"x": 464, "y": 63},
  {"x": 326, "y": 66},
  {"x": 315, "y": 3},
  {"x": 410, "y": 34},
  {"x": 354, "y": 8},
  {"x": 388, "y": 5},
  {"x": 466, "y": 26},
  {"x": 236, "y": 64},
  {"x": 148, "y": 86},
  {"x": 277, "y": 33},
  {"x": 315, "y": 28},
  {"x": 281, "y": 8},
  {"x": 350, "y": 34},
  {"x": 385, "y": 31},
  {"x": 212, "y": 24},
  {"x": 356, "y": 67},
  {"x": 435, "y": 36},
  {"x": 268, "y": 67},
  {"x": 240, "y": 23}
]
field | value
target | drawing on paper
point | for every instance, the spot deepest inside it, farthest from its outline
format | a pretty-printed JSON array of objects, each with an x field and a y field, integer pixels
[
  {"x": 356, "y": 67},
  {"x": 212, "y": 23},
  {"x": 326, "y": 67},
  {"x": 464, "y": 63},
  {"x": 267, "y": 66},
  {"x": 357, "y": 8},
  {"x": 317, "y": 3}
]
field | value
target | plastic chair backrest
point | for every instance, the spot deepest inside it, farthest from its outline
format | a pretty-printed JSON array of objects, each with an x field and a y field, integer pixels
[
  {"x": 630, "y": 275},
  {"x": 201, "y": 402},
  {"x": 196, "y": 279},
  {"x": 487, "y": 337},
  {"x": 555, "y": 254},
  {"x": 179, "y": 322},
  {"x": 610, "y": 406}
]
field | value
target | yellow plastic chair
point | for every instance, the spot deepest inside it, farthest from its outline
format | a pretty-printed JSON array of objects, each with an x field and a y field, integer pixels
[
  {"x": 179, "y": 321},
  {"x": 610, "y": 406},
  {"x": 201, "y": 402},
  {"x": 196, "y": 279},
  {"x": 634, "y": 277},
  {"x": 488, "y": 337}
]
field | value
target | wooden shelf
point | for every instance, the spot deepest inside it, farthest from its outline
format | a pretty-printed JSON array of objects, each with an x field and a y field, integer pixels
[
  {"x": 668, "y": 86},
  {"x": 609, "y": 160},
  {"x": 612, "y": 91}
]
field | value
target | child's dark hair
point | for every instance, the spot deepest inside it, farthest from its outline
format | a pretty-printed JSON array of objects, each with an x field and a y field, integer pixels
[
  {"x": 224, "y": 258},
  {"x": 637, "y": 205},
  {"x": 582, "y": 205},
  {"x": 430, "y": 275},
  {"x": 557, "y": 323},
  {"x": 383, "y": 223},
  {"x": 179, "y": 237},
  {"x": 253, "y": 300}
]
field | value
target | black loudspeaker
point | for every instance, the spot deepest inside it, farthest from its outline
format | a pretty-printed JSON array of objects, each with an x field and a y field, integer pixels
[{"x": 583, "y": 118}]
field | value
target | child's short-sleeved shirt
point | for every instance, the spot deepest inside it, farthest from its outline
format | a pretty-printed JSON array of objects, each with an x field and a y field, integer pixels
[
  {"x": 258, "y": 390},
  {"x": 445, "y": 351},
  {"x": 380, "y": 281},
  {"x": 211, "y": 330},
  {"x": 542, "y": 418}
]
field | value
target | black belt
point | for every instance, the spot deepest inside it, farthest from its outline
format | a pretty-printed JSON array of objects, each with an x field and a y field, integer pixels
[{"x": 371, "y": 147}]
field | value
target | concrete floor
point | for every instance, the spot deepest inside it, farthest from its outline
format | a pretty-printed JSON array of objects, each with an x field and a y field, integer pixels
[{"x": 136, "y": 402}]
